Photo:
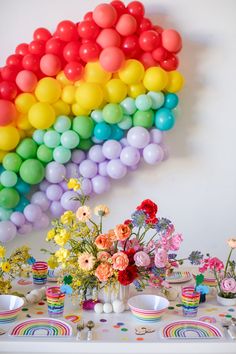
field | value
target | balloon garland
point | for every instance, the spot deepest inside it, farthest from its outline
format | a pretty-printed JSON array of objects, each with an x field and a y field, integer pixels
[{"x": 89, "y": 100}]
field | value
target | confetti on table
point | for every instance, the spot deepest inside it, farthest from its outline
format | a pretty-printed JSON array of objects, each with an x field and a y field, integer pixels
[
  {"x": 41, "y": 303},
  {"x": 179, "y": 305},
  {"x": 228, "y": 316},
  {"x": 124, "y": 329},
  {"x": 120, "y": 324},
  {"x": 28, "y": 315},
  {"x": 103, "y": 320},
  {"x": 139, "y": 338},
  {"x": 39, "y": 313},
  {"x": 24, "y": 309},
  {"x": 116, "y": 326},
  {"x": 170, "y": 308},
  {"x": 231, "y": 310}
]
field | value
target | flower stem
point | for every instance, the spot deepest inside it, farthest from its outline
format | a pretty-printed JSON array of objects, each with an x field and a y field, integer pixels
[{"x": 227, "y": 262}]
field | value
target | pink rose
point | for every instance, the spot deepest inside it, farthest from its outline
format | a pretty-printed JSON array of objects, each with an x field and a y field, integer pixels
[
  {"x": 104, "y": 271},
  {"x": 175, "y": 242},
  {"x": 120, "y": 261},
  {"x": 161, "y": 258},
  {"x": 228, "y": 285},
  {"x": 142, "y": 259},
  {"x": 103, "y": 256}
]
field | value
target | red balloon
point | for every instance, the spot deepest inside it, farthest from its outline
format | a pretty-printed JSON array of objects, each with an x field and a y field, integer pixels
[
  {"x": 37, "y": 47},
  {"x": 89, "y": 51},
  {"x": 67, "y": 31},
  {"x": 22, "y": 49},
  {"x": 88, "y": 29},
  {"x": 105, "y": 15},
  {"x": 14, "y": 59},
  {"x": 145, "y": 25},
  {"x": 126, "y": 25},
  {"x": 160, "y": 54},
  {"x": 149, "y": 40},
  {"x": 130, "y": 46},
  {"x": 55, "y": 46},
  {"x": 136, "y": 9},
  {"x": 108, "y": 37},
  {"x": 26, "y": 80},
  {"x": 119, "y": 7},
  {"x": 158, "y": 29},
  {"x": 73, "y": 71},
  {"x": 50, "y": 64},
  {"x": 7, "y": 112},
  {"x": 88, "y": 16},
  {"x": 42, "y": 34},
  {"x": 147, "y": 60},
  {"x": 171, "y": 40},
  {"x": 8, "y": 90},
  {"x": 112, "y": 59},
  {"x": 170, "y": 63},
  {"x": 71, "y": 51},
  {"x": 9, "y": 72},
  {"x": 31, "y": 62}
]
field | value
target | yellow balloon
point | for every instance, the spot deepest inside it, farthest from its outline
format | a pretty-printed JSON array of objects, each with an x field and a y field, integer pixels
[
  {"x": 41, "y": 115},
  {"x": 29, "y": 133},
  {"x": 22, "y": 133},
  {"x": 78, "y": 83},
  {"x": 61, "y": 108},
  {"x": 115, "y": 91},
  {"x": 48, "y": 90},
  {"x": 89, "y": 95},
  {"x": 2, "y": 155},
  {"x": 61, "y": 77},
  {"x": 175, "y": 81},
  {"x": 155, "y": 79},
  {"x": 136, "y": 90},
  {"x": 24, "y": 101},
  {"x": 77, "y": 110},
  {"x": 9, "y": 138},
  {"x": 22, "y": 122},
  {"x": 68, "y": 94},
  {"x": 93, "y": 72},
  {"x": 115, "y": 75},
  {"x": 132, "y": 72}
]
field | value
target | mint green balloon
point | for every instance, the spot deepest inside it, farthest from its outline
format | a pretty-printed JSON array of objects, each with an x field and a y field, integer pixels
[
  {"x": 32, "y": 171},
  {"x": 128, "y": 105},
  {"x": 8, "y": 178},
  {"x": 85, "y": 144},
  {"x": 44, "y": 153},
  {"x": 126, "y": 123},
  {"x": 144, "y": 119},
  {"x": 12, "y": 162},
  {"x": 52, "y": 139},
  {"x": 38, "y": 136},
  {"x": 158, "y": 99},
  {"x": 5, "y": 214},
  {"x": 62, "y": 124},
  {"x": 27, "y": 148},
  {"x": 143, "y": 102},
  {"x": 61, "y": 154},
  {"x": 9, "y": 198},
  {"x": 83, "y": 125},
  {"x": 97, "y": 115},
  {"x": 70, "y": 139},
  {"x": 112, "y": 113}
]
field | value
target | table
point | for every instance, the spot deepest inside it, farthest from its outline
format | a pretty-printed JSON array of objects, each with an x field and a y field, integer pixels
[{"x": 115, "y": 333}]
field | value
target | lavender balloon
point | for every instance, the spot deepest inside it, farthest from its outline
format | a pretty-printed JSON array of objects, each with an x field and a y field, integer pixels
[
  {"x": 17, "y": 218},
  {"x": 111, "y": 149},
  {"x": 156, "y": 136},
  {"x": 7, "y": 231},
  {"x": 68, "y": 203},
  {"x": 72, "y": 170},
  {"x": 88, "y": 169},
  {"x": 54, "y": 192},
  {"x": 41, "y": 200},
  {"x": 96, "y": 154},
  {"x": 130, "y": 156},
  {"x": 44, "y": 185},
  {"x": 116, "y": 169},
  {"x": 63, "y": 185},
  {"x": 102, "y": 168},
  {"x": 25, "y": 229},
  {"x": 153, "y": 153},
  {"x": 124, "y": 142},
  {"x": 100, "y": 184},
  {"x": 42, "y": 223},
  {"x": 56, "y": 209},
  {"x": 32, "y": 212},
  {"x": 86, "y": 186},
  {"x": 77, "y": 156},
  {"x": 138, "y": 137},
  {"x": 55, "y": 172}
]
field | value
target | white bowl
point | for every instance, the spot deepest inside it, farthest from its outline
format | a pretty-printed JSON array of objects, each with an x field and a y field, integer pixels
[
  {"x": 148, "y": 303},
  {"x": 10, "y": 306}
]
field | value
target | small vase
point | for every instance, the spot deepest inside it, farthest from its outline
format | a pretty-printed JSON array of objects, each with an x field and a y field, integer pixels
[
  {"x": 114, "y": 292},
  {"x": 226, "y": 302}
]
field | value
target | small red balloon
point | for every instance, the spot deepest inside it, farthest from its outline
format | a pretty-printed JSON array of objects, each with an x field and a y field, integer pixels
[
  {"x": 9, "y": 72},
  {"x": 170, "y": 63},
  {"x": 88, "y": 29},
  {"x": 145, "y": 25},
  {"x": 67, "y": 31},
  {"x": 88, "y": 16},
  {"x": 7, "y": 112},
  {"x": 147, "y": 60},
  {"x": 26, "y": 80},
  {"x": 119, "y": 7},
  {"x": 130, "y": 46},
  {"x": 105, "y": 15},
  {"x": 73, "y": 71},
  {"x": 50, "y": 64},
  {"x": 108, "y": 37},
  {"x": 171, "y": 40},
  {"x": 71, "y": 51},
  {"x": 37, "y": 47},
  {"x": 22, "y": 49},
  {"x": 126, "y": 25},
  {"x": 14, "y": 59},
  {"x": 8, "y": 90},
  {"x": 55, "y": 46},
  {"x": 158, "y": 29},
  {"x": 42, "y": 34},
  {"x": 160, "y": 54},
  {"x": 89, "y": 51},
  {"x": 112, "y": 59},
  {"x": 149, "y": 40},
  {"x": 136, "y": 9},
  {"x": 31, "y": 62}
]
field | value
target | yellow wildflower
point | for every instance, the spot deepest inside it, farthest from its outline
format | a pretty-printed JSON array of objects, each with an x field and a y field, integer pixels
[
  {"x": 77, "y": 283},
  {"x": 50, "y": 235},
  {"x": 74, "y": 184},
  {"x": 2, "y": 251},
  {"x": 68, "y": 217},
  {"x": 52, "y": 262},
  {"x": 62, "y": 254},
  {"x": 62, "y": 237},
  {"x": 101, "y": 210},
  {"x": 6, "y": 267}
]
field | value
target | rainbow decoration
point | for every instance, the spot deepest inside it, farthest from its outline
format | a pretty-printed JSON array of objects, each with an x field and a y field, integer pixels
[
  {"x": 10, "y": 308},
  {"x": 42, "y": 327},
  {"x": 148, "y": 316},
  {"x": 40, "y": 271},
  {"x": 55, "y": 301},
  {"x": 191, "y": 330},
  {"x": 211, "y": 282},
  {"x": 89, "y": 99},
  {"x": 190, "y": 301},
  {"x": 9, "y": 316},
  {"x": 179, "y": 277}
]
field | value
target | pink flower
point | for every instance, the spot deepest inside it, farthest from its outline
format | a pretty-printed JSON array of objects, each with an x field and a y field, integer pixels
[
  {"x": 161, "y": 258},
  {"x": 216, "y": 263},
  {"x": 103, "y": 242},
  {"x": 232, "y": 242},
  {"x": 154, "y": 281},
  {"x": 142, "y": 259},
  {"x": 133, "y": 243},
  {"x": 228, "y": 285},
  {"x": 122, "y": 232},
  {"x": 175, "y": 242},
  {"x": 120, "y": 261},
  {"x": 103, "y": 256}
]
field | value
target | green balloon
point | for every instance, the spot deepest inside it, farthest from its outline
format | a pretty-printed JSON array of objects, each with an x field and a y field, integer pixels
[
  {"x": 27, "y": 148},
  {"x": 112, "y": 113},
  {"x": 83, "y": 125},
  {"x": 9, "y": 198},
  {"x": 144, "y": 119},
  {"x": 85, "y": 144},
  {"x": 44, "y": 153},
  {"x": 5, "y": 214},
  {"x": 8, "y": 178},
  {"x": 32, "y": 171},
  {"x": 1, "y": 187},
  {"x": 61, "y": 154},
  {"x": 12, "y": 162},
  {"x": 126, "y": 123}
]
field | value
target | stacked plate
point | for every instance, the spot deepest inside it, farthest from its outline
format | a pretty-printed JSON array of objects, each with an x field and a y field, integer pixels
[
  {"x": 148, "y": 307},
  {"x": 10, "y": 307}
]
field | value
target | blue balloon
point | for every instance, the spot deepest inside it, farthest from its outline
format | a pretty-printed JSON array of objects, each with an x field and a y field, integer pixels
[
  {"x": 116, "y": 132},
  {"x": 22, "y": 187},
  {"x": 22, "y": 204},
  {"x": 164, "y": 119},
  {"x": 102, "y": 131},
  {"x": 171, "y": 100}
]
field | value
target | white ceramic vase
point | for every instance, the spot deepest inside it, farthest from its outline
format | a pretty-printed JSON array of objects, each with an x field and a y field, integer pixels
[
  {"x": 226, "y": 302},
  {"x": 114, "y": 292}
]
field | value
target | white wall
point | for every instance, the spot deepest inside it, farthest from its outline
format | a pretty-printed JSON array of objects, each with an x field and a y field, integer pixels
[{"x": 196, "y": 186}]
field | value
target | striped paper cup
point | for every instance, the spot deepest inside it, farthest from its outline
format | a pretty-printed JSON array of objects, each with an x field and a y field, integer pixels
[
  {"x": 148, "y": 307},
  {"x": 10, "y": 307},
  {"x": 190, "y": 301},
  {"x": 39, "y": 271},
  {"x": 55, "y": 301}
]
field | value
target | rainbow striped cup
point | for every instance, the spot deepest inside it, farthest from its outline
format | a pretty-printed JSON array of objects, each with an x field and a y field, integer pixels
[
  {"x": 10, "y": 307},
  {"x": 55, "y": 301},
  {"x": 190, "y": 301},
  {"x": 147, "y": 307},
  {"x": 40, "y": 271}
]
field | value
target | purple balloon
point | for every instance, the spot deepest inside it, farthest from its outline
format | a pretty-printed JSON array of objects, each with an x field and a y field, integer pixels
[
  {"x": 100, "y": 184},
  {"x": 63, "y": 185},
  {"x": 41, "y": 200},
  {"x": 153, "y": 153},
  {"x": 130, "y": 156},
  {"x": 166, "y": 152},
  {"x": 68, "y": 203},
  {"x": 111, "y": 149},
  {"x": 116, "y": 169},
  {"x": 72, "y": 170},
  {"x": 77, "y": 156},
  {"x": 7, "y": 231},
  {"x": 44, "y": 185},
  {"x": 133, "y": 168},
  {"x": 88, "y": 169},
  {"x": 95, "y": 153},
  {"x": 86, "y": 186},
  {"x": 102, "y": 168},
  {"x": 42, "y": 223},
  {"x": 124, "y": 142},
  {"x": 56, "y": 209},
  {"x": 156, "y": 136},
  {"x": 32, "y": 212},
  {"x": 54, "y": 192},
  {"x": 17, "y": 218},
  {"x": 55, "y": 172},
  {"x": 138, "y": 137},
  {"x": 96, "y": 141},
  {"x": 25, "y": 229}
]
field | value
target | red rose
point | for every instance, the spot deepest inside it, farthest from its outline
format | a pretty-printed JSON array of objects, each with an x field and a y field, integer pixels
[
  {"x": 149, "y": 207},
  {"x": 128, "y": 222},
  {"x": 130, "y": 254},
  {"x": 128, "y": 275}
]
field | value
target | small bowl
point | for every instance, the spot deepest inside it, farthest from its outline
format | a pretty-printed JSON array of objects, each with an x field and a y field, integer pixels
[
  {"x": 148, "y": 307},
  {"x": 10, "y": 306}
]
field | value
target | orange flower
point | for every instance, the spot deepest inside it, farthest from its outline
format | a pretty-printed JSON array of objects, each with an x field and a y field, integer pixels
[
  {"x": 122, "y": 232},
  {"x": 103, "y": 256},
  {"x": 120, "y": 261},
  {"x": 232, "y": 242},
  {"x": 103, "y": 242},
  {"x": 104, "y": 271},
  {"x": 112, "y": 236}
]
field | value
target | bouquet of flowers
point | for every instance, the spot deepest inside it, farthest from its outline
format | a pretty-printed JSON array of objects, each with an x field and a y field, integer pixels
[
  {"x": 225, "y": 274},
  {"x": 14, "y": 265},
  {"x": 141, "y": 250}
]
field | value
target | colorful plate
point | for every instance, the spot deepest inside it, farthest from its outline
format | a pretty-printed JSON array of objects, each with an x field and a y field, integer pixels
[
  {"x": 179, "y": 277},
  {"x": 209, "y": 281},
  {"x": 42, "y": 327},
  {"x": 191, "y": 329}
]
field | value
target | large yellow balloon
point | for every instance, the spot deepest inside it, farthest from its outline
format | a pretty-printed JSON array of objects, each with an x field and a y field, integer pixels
[
  {"x": 132, "y": 72},
  {"x": 89, "y": 95},
  {"x": 136, "y": 90},
  {"x": 115, "y": 91},
  {"x": 41, "y": 115},
  {"x": 61, "y": 108},
  {"x": 77, "y": 110},
  {"x": 24, "y": 101},
  {"x": 175, "y": 82},
  {"x": 68, "y": 94},
  {"x": 48, "y": 90},
  {"x": 155, "y": 79},
  {"x": 61, "y": 77},
  {"x": 93, "y": 72},
  {"x": 9, "y": 138},
  {"x": 22, "y": 122}
]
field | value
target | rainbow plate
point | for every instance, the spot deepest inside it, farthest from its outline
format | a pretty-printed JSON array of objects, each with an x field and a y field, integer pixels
[{"x": 179, "y": 277}]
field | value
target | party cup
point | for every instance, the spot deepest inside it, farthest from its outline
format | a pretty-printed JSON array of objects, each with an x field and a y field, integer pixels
[
  {"x": 55, "y": 301},
  {"x": 190, "y": 301},
  {"x": 39, "y": 271}
]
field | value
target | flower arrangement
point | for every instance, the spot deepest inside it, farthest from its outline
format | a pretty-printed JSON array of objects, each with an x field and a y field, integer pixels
[
  {"x": 13, "y": 266},
  {"x": 225, "y": 274},
  {"x": 140, "y": 251}
]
